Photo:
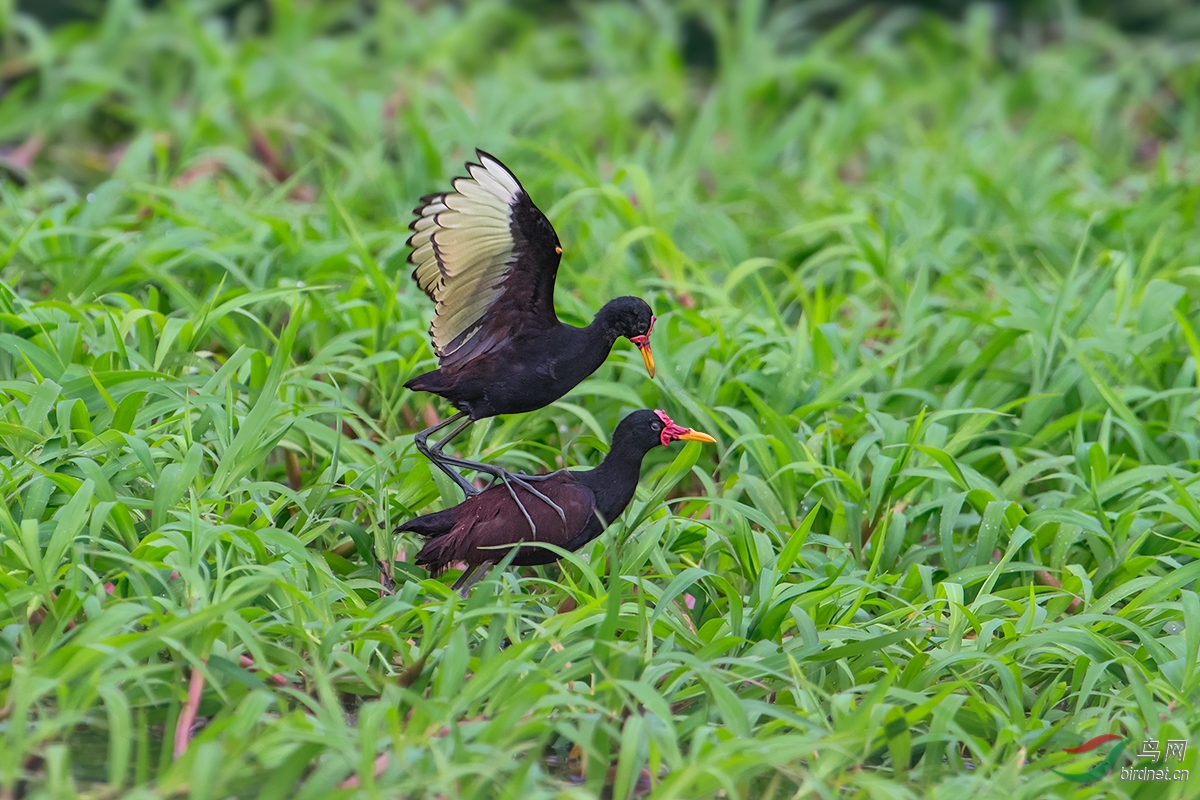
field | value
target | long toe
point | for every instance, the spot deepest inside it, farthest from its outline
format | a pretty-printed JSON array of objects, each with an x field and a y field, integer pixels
[
  {"x": 513, "y": 493},
  {"x": 527, "y": 487}
]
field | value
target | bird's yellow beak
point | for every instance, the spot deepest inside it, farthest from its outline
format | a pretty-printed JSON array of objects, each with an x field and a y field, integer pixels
[
  {"x": 672, "y": 432},
  {"x": 648, "y": 357}
]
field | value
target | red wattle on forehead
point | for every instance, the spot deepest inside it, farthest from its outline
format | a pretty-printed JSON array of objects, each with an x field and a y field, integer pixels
[
  {"x": 644, "y": 339},
  {"x": 670, "y": 431}
]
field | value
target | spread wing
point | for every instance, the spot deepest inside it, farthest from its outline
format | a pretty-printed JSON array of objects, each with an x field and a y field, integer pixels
[{"x": 487, "y": 257}]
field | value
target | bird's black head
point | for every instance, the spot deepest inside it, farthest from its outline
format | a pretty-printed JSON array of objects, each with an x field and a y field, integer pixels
[
  {"x": 632, "y": 318},
  {"x": 642, "y": 431}
]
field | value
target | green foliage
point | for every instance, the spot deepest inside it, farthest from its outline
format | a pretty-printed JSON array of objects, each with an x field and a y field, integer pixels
[{"x": 935, "y": 289}]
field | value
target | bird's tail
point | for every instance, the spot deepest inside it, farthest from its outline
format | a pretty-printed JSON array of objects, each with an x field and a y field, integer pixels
[
  {"x": 430, "y": 526},
  {"x": 431, "y": 381},
  {"x": 437, "y": 553}
]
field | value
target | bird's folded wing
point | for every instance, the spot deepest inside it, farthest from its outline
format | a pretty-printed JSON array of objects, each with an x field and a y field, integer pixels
[
  {"x": 471, "y": 245},
  {"x": 502, "y": 523}
]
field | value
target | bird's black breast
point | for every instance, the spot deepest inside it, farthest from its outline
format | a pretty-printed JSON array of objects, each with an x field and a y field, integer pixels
[{"x": 527, "y": 372}]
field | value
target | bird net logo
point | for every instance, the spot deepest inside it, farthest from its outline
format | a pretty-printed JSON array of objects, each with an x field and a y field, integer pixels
[{"x": 1174, "y": 750}]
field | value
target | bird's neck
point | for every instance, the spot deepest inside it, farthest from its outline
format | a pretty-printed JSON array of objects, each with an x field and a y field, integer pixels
[
  {"x": 614, "y": 480},
  {"x": 604, "y": 327},
  {"x": 585, "y": 349}
]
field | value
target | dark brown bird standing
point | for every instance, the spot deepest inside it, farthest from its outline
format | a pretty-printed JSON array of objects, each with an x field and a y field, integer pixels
[
  {"x": 482, "y": 529},
  {"x": 488, "y": 257}
]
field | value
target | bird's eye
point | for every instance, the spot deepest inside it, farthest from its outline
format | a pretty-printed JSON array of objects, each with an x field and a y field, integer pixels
[{"x": 656, "y": 427}]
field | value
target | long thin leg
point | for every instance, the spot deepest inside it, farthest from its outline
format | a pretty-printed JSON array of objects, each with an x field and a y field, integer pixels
[
  {"x": 445, "y": 440},
  {"x": 387, "y": 582},
  {"x": 445, "y": 463},
  {"x": 506, "y": 477},
  {"x": 423, "y": 437},
  {"x": 434, "y": 454},
  {"x": 466, "y": 574},
  {"x": 524, "y": 512},
  {"x": 535, "y": 478},
  {"x": 501, "y": 474},
  {"x": 524, "y": 484},
  {"x": 473, "y": 574}
]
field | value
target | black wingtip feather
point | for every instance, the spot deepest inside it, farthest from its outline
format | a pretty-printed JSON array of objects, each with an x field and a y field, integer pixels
[
  {"x": 413, "y": 275},
  {"x": 424, "y": 201},
  {"x": 482, "y": 154}
]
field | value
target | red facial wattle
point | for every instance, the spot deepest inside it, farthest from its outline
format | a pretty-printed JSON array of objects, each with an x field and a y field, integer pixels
[
  {"x": 644, "y": 339},
  {"x": 643, "y": 344},
  {"x": 671, "y": 432}
]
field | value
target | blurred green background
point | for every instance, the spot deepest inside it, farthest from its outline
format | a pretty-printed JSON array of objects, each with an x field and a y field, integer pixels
[{"x": 1171, "y": 17}]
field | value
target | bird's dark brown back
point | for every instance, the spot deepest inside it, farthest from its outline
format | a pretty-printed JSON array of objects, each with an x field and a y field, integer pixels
[{"x": 487, "y": 524}]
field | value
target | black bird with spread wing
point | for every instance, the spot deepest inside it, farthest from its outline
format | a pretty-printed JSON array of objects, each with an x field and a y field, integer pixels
[
  {"x": 487, "y": 257},
  {"x": 482, "y": 529}
]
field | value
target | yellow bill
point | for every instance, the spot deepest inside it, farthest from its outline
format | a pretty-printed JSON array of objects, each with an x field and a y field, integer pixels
[{"x": 648, "y": 357}]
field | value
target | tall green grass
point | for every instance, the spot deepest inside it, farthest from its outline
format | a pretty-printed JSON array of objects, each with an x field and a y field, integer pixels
[{"x": 935, "y": 287}]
